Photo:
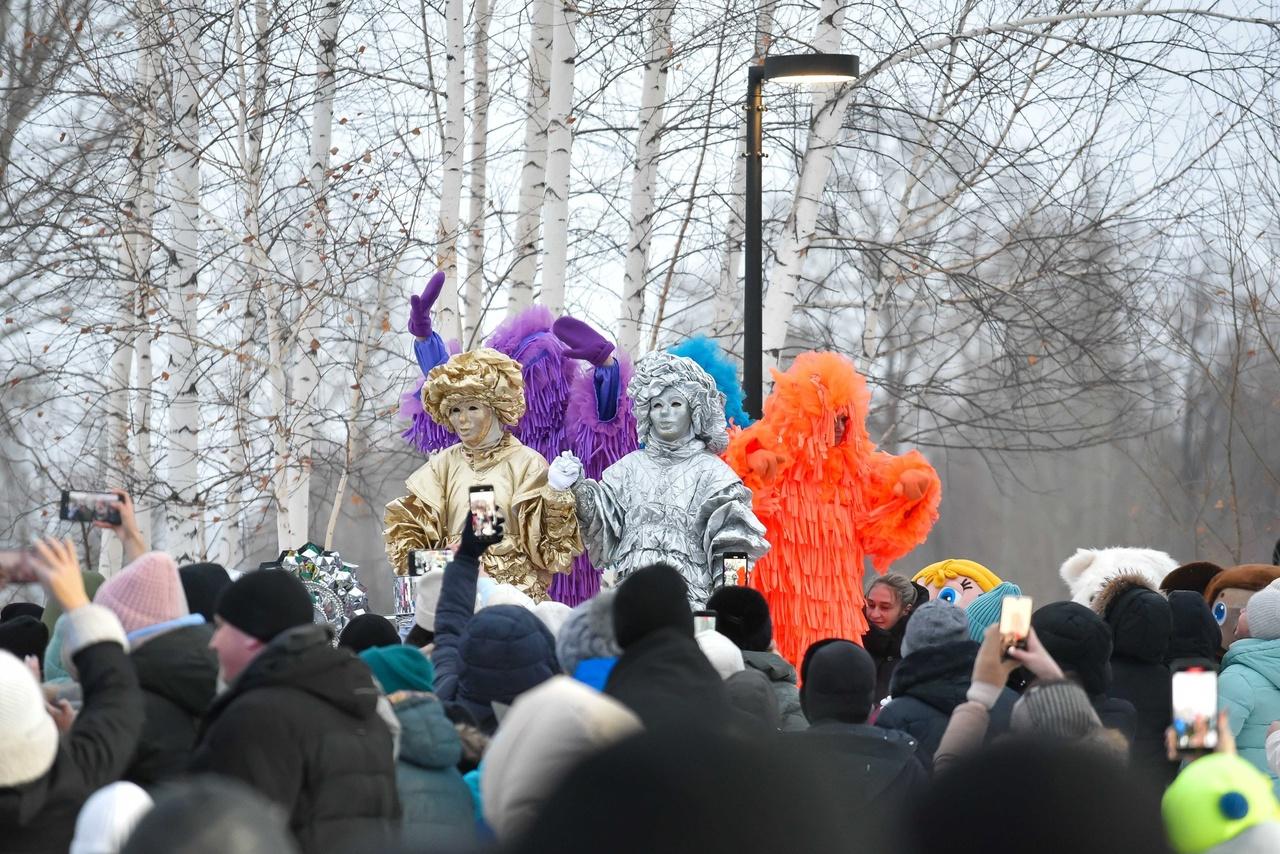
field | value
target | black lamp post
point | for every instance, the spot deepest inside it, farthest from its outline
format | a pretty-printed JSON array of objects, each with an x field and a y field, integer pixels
[{"x": 795, "y": 68}]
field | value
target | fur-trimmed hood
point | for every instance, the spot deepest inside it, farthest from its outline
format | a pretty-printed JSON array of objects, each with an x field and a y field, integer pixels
[{"x": 1140, "y": 618}]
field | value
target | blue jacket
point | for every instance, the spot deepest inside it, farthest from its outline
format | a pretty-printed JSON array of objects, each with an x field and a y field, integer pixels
[
  {"x": 1249, "y": 689},
  {"x": 436, "y": 802},
  {"x": 494, "y": 655}
]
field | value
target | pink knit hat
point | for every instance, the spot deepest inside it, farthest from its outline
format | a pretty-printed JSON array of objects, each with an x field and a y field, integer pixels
[{"x": 146, "y": 592}]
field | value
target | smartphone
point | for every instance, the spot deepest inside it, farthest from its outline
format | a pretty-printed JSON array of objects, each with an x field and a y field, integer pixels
[
  {"x": 422, "y": 561},
  {"x": 90, "y": 507},
  {"x": 484, "y": 510},
  {"x": 735, "y": 569},
  {"x": 1195, "y": 709},
  {"x": 1015, "y": 621},
  {"x": 703, "y": 621},
  {"x": 17, "y": 566}
]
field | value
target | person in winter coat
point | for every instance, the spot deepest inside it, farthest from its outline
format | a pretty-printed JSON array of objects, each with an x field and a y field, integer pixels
[
  {"x": 299, "y": 720},
  {"x": 212, "y": 815},
  {"x": 488, "y": 656},
  {"x": 1195, "y": 634},
  {"x": 1249, "y": 684},
  {"x": 755, "y": 706},
  {"x": 436, "y": 802},
  {"x": 932, "y": 679},
  {"x": 585, "y": 644},
  {"x": 45, "y": 780},
  {"x": 550, "y": 729},
  {"x": 889, "y": 607},
  {"x": 1141, "y": 624},
  {"x": 742, "y": 615},
  {"x": 662, "y": 675},
  {"x": 176, "y": 669},
  {"x": 1080, "y": 642},
  {"x": 866, "y": 765}
]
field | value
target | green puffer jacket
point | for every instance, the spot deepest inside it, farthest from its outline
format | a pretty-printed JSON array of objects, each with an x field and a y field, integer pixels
[{"x": 438, "y": 811}]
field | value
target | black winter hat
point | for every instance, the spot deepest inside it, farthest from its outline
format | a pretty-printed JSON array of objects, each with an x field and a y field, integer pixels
[
  {"x": 24, "y": 635},
  {"x": 651, "y": 598},
  {"x": 742, "y": 615},
  {"x": 265, "y": 602},
  {"x": 1079, "y": 640},
  {"x": 1140, "y": 622},
  {"x": 367, "y": 631},
  {"x": 1195, "y": 632},
  {"x": 202, "y": 583},
  {"x": 20, "y": 609},
  {"x": 837, "y": 682}
]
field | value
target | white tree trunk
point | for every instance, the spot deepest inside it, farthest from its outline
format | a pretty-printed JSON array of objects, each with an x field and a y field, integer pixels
[
  {"x": 534, "y": 169},
  {"x": 727, "y": 318},
  {"x": 478, "y": 153},
  {"x": 144, "y": 380},
  {"x": 797, "y": 236},
  {"x": 555, "y": 208},
  {"x": 446, "y": 316},
  {"x": 304, "y": 381},
  {"x": 183, "y": 513},
  {"x": 653, "y": 96}
]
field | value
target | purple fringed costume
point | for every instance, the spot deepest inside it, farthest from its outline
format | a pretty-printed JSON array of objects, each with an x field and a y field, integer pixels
[{"x": 548, "y": 375}]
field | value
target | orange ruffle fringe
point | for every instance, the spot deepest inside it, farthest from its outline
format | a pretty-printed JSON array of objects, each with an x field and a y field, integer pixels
[{"x": 829, "y": 507}]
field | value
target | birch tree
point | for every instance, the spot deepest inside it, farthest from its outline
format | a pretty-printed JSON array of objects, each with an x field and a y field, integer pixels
[
  {"x": 447, "y": 314},
  {"x": 476, "y": 200},
  {"x": 653, "y": 95},
  {"x": 528, "y": 225},
  {"x": 555, "y": 239}
]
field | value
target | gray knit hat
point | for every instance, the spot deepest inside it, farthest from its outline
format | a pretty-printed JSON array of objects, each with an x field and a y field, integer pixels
[
  {"x": 1263, "y": 609},
  {"x": 587, "y": 633},
  {"x": 936, "y": 623},
  {"x": 1057, "y": 709}
]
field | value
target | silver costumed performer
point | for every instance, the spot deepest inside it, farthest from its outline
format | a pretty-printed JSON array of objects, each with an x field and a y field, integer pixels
[{"x": 673, "y": 501}]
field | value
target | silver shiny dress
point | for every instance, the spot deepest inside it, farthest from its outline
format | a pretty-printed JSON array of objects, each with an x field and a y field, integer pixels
[{"x": 671, "y": 502}]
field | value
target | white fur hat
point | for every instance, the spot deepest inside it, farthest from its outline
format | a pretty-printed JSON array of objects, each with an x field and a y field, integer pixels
[
  {"x": 723, "y": 653},
  {"x": 1088, "y": 570},
  {"x": 28, "y": 737}
]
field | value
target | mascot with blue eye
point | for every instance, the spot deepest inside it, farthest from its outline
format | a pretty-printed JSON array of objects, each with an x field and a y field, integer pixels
[
  {"x": 1229, "y": 591},
  {"x": 956, "y": 580}
]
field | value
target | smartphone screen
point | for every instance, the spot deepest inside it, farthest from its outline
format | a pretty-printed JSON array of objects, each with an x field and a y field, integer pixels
[
  {"x": 422, "y": 561},
  {"x": 484, "y": 510},
  {"x": 90, "y": 507},
  {"x": 1015, "y": 621},
  {"x": 735, "y": 569},
  {"x": 704, "y": 621},
  {"x": 1195, "y": 709}
]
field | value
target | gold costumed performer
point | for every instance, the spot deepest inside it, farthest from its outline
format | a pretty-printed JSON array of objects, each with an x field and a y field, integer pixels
[{"x": 479, "y": 396}]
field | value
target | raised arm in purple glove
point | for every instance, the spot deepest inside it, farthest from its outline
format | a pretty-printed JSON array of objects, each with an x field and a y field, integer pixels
[
  {"x": 583, "y": 342},
  {"x": 428, "y": 347}
]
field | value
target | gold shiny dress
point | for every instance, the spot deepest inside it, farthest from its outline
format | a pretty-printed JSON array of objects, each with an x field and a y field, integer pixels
[{"x": 541, "y": 524}]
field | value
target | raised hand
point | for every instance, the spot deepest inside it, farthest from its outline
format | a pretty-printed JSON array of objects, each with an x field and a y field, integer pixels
[
  {"x": 583, "y": 342},
  {"x": 420, "y": 306},
  {"x": 127, "y": 530},
  {"x": 59, "y": 572},
  {"x": 565, "y": 471},
  {"x": 474, "y": 545},
  {"x": 911, "y": 485}
]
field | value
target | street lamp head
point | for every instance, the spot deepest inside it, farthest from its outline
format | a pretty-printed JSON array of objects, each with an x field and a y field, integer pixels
[{"x": 811, "y": 68}]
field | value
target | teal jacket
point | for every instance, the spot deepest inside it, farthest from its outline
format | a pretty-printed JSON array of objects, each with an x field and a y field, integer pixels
[
  {"x": 438, "y": 813},
  {"x": 1249, "y": 689}
]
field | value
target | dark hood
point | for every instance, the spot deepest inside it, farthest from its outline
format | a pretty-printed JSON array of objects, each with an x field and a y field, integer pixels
[
  {"x": 302, "y": 659},
  {"x": 667, "y": 681},
  {"x": 1079, "y": 640},
  {"x": 1195, "y": 632},
  {"x": 427, "y": 736},
  {"x": 938, "y": 675},
  {"x": 180, "y": 667},
  {"x": 1139, "y": 617}
]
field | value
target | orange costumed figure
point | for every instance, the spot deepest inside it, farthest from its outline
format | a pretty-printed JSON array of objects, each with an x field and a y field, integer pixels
[{"x": 828, "y": 499}]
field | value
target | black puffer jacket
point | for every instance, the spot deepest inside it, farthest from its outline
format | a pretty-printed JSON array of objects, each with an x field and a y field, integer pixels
[
  {"x": 1141, "y": 624},
  {"x": 667, "y": 681},
  {"x": 867, "y": 766},
  {"x": 927, "y": 685},
  {"x": 300, "y": 725},
  {"x": 178, "y": 674},
  {"x": 1080, "y": 642},
  {"x": 40, "y": 816}
]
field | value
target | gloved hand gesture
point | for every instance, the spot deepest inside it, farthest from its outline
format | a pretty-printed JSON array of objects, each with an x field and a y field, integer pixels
[
  {"x": 565, "y": 471},
  {"x": 420, "y": 306},
  {"x": 474, "y": 545},
  {"x": 583, "y": 341},
  {"x": 911, "y": 485}
]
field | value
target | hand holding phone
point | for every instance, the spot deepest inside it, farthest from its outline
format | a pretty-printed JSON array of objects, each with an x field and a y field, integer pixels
[
  {"x": 1195, "y": 710},
  {"x": 90, "y": 507},
  {"x": 1015, "y": 622},
  {"x": 484, "y": 510}
]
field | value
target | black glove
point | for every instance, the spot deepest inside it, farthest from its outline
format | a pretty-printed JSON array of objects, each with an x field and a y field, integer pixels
[{"x": 473, "y": 545}]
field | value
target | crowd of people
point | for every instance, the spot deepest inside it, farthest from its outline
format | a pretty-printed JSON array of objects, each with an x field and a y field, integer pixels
[{"x": 181, "y": 709}]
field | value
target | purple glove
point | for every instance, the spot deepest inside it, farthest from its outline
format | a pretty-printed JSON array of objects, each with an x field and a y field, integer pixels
[
  {"x": 583, "y": 341},
  {"x": 420, "y": 306}
]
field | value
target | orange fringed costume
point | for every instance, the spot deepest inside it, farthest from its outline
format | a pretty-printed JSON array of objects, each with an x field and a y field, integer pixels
[{"x": 827, "y": 505}]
